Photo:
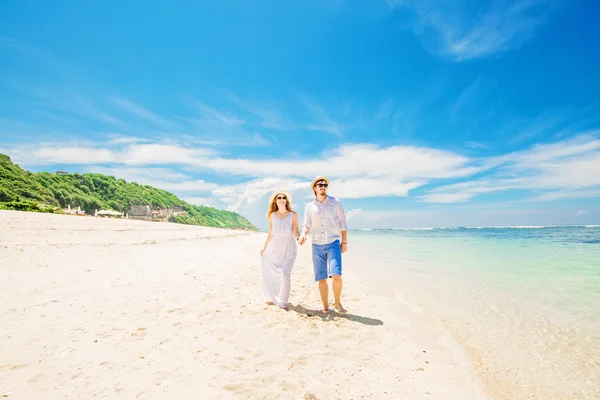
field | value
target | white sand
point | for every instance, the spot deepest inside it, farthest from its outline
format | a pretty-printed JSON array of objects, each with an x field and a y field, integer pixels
[{"x": 99, "y": 308}]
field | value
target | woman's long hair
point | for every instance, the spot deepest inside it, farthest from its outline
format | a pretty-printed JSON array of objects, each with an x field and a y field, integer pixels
[{"x": 273, "y": 205}]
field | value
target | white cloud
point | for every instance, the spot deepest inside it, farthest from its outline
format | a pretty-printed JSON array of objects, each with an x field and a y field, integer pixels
[
  {"x": 88, "y": 154},
  {"x": 568, "y": 195},
  {"x": 582, "y": 144},
  {"x": 148, "y": 154},
  {"x": 251, "y": 199},
  {"x": 562, "y": 170},
  {"x": 353, "y": 214},
  {"x": 246, "y": 195},
  {"x": 140, "y": 175},
  {"x": 359, "y": 161},
  {"x": 75, "y": 155},
  {"x": 488, "y": 29},
  {"x": 116, "y": 139},
  {"x": 372, "y": 187},
  {"x": 161, "y": 178}
]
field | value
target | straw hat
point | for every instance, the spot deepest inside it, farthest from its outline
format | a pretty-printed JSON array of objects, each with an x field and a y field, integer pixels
[
  {"x": 283, "y": 192},
  {"x": 317, "y": 179}
]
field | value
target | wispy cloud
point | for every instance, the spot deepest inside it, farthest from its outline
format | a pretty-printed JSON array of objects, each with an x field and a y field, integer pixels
[
  {"x": 490, "y": 28},
  {"x": 35, "y": 54},
  {"x": 385, "y": 109},
  {"x": 547, "y": 121},
  {"x": 560, "y": 170},
  {"x": 472, "y": 144},
  {"x": 86, "y": 108},
  {"x": 140, "y": 111},
  {"x": 323, "y": 121},
  {"x": 269, "y": 115},
  {"x": 117, "y": 139},
  {"x": 61, "y": 102},
  {"x": 213, "y": 115},
  {"x": 568, "y": 195},
  {"x": 467, "y": 95}
]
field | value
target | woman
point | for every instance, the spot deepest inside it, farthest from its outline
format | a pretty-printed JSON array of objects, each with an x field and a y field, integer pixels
[{"x": 279, "y": 252}]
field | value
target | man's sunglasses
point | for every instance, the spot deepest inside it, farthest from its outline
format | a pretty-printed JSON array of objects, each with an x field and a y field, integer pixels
[{"x": 322, "y": 184}]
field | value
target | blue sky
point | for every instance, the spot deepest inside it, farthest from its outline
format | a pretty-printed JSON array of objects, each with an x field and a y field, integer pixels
[{"x": 422, "y": 113}]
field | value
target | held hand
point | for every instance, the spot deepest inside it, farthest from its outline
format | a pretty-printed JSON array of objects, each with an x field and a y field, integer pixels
[
  {"x": 301, "y": 240},
  {"x": 344, "y": 247}
]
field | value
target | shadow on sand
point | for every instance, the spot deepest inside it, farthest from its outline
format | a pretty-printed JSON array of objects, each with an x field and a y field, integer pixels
[{"x": 331, "y": 314}]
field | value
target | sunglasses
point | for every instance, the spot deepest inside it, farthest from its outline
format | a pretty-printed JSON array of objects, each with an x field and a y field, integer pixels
[
  {"x": 322, "y": 184},
  {"x": 281, "y": 198}
]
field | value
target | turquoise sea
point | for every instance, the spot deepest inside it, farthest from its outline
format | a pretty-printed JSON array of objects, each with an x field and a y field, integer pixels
[{"x": 522, "y": 302}]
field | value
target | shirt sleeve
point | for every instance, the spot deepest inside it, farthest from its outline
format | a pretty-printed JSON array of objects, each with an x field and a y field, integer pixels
[
  {"x": 307, "y": 219},
  {"x": 341, "y": 215}
]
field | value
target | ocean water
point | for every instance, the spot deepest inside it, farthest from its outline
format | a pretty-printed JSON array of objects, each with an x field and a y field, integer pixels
[{"x": 523, "y": 302}]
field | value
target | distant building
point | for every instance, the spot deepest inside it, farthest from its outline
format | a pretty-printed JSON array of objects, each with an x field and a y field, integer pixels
[{"x": 62, "y": 172}]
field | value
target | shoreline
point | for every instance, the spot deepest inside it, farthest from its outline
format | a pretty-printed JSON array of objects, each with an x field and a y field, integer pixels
[
  {"x": 522, "y": 343},
  {"x": 125, "y": 309}
]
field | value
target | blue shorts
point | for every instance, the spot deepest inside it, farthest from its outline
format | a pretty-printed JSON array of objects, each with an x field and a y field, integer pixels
[{"x": 327, "y": 260}]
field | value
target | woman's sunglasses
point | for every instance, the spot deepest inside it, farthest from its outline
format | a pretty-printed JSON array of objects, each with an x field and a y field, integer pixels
[{"x": 281, "y": 198}]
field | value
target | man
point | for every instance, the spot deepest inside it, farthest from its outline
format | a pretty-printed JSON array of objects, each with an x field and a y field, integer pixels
[{"x": 325, "y": 219}]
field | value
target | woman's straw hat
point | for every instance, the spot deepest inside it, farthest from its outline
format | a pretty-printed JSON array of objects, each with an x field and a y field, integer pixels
[
  {"x": 283, "y": 192},
  {"x": 317, "y": 179}
]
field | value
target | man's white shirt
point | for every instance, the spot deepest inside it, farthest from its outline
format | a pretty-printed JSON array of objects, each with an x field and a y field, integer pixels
[{"x": 325, "y": 220}]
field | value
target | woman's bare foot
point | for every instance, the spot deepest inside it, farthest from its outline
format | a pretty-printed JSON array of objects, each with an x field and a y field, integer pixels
[{"x": 339, "y": 308}]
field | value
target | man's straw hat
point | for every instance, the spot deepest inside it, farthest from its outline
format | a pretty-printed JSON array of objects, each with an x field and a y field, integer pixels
[{"x": 317, "y": 179}]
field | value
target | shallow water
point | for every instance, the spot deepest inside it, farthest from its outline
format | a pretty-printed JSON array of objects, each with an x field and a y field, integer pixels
[{"x": 523, "y": 301}]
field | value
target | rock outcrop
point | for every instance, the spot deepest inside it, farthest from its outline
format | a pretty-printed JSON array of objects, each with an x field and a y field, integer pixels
[{"x": 149, "y": 213}]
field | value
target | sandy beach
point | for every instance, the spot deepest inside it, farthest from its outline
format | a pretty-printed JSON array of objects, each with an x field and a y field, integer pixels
[{"x": 123, "y": 309}]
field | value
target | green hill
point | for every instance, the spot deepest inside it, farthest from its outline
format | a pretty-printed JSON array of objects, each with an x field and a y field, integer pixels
[{"x": 24, "y": 190}]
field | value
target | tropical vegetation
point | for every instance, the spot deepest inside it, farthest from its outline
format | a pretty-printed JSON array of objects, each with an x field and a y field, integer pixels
[{"x": 51, "y": 192}]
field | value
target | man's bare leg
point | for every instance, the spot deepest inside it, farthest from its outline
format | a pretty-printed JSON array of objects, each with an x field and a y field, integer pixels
[
  {"x": 324, "y": 290},
  {"x": 337, "y": 293}
]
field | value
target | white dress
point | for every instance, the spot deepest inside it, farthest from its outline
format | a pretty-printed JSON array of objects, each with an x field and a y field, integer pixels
[{"x": 278, "y": 260}]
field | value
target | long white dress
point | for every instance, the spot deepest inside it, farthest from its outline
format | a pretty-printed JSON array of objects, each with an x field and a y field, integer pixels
[{"x": 278, "y": 260}]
